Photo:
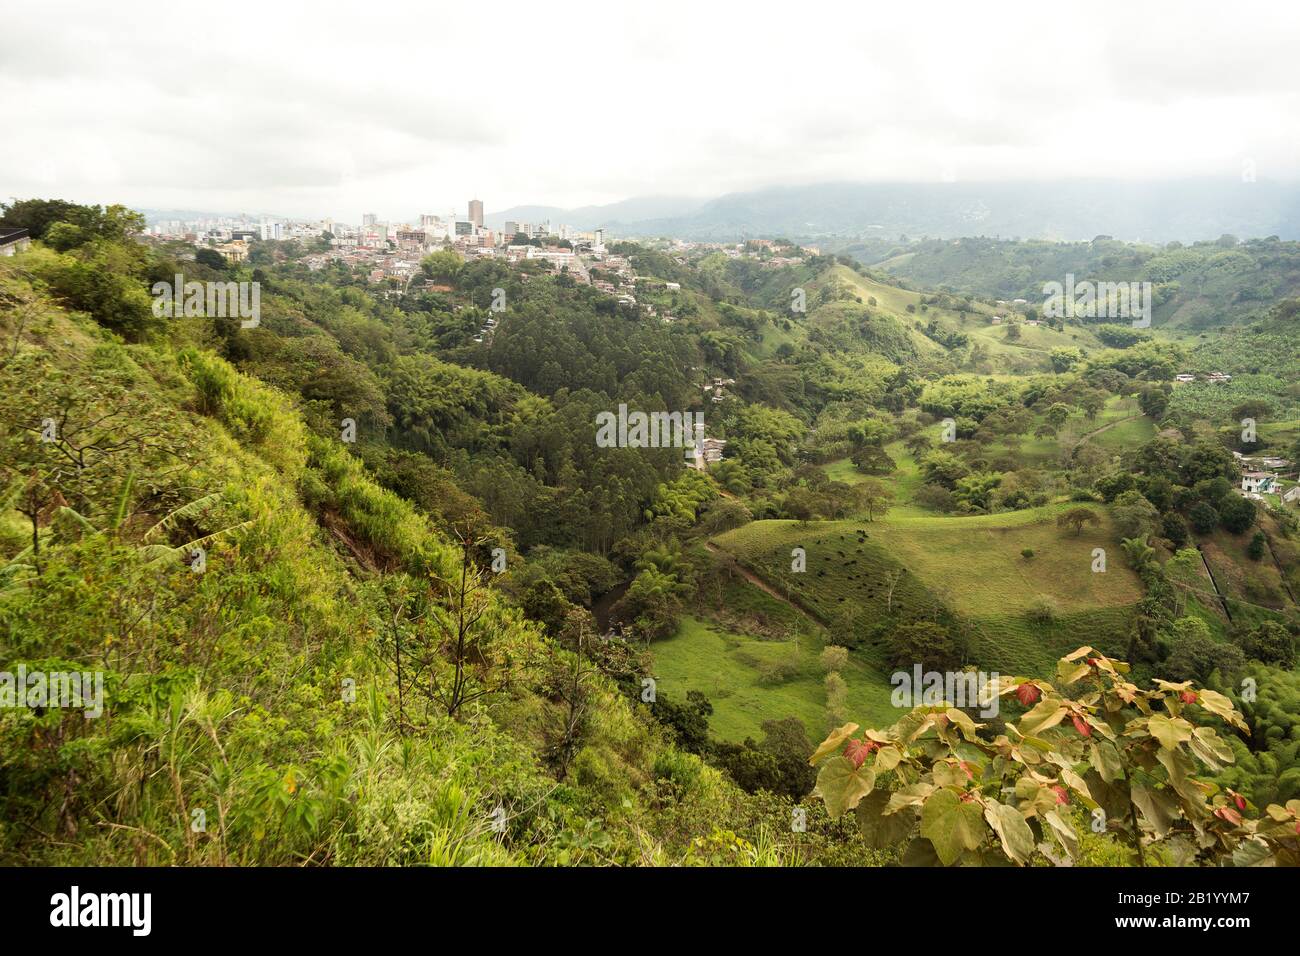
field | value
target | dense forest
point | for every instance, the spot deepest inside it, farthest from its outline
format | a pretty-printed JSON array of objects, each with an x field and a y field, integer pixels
[{"x": 364, "y": 588}]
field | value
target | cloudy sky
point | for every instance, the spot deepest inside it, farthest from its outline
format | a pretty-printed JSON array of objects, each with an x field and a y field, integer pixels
[{"x": 400, "y": 108}]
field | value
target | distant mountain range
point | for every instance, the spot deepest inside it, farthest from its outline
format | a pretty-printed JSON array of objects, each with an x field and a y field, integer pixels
[
  {"x": 1184, "y": 210},
  {"x": 637, "y": 209}
]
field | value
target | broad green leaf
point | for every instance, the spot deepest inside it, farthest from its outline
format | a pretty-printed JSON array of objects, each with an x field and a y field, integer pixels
[
  {"x": 952, "y": 825},
  {"x": 948, "y": 774},
  {"x": 881, "y": 829},
  {"x": 1047, "y": 713},
  {"x": 1075, "y": 783},
  {"x": 1063, "y": 832},
  {"x": 1220, "y": 706},
  {"x": 1012, "y": 830},
  {"x": 1210, "y": 748},
  {"x": 833, "y": 742},
  {"x": 962, "y": 720},
  {"x": 1105, "y": 759},
  {"x": 842, "y": 786},
  {"x": 1069, "y": 673},
  {"x": 910, "y": 796},
  {"x": 1252, "y": 853},
  {"x": 887, "y": 758},
  {"x": 1169, "y": 731},
  {"x": 1155, "y": 809}
]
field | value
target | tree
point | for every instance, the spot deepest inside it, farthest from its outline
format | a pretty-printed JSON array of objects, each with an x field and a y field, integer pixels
[
  {"x": 210, "y": 258},
  {"x": 1258, "y": 543},
  {"x": 834, "y": 657},
  {"x": 1271, "y": 643},
  {"x": 1203, "y": 518},
  {"x": 1076, "y": 518},
  {"x": 1053, "y": 419},
  {"x": 1154, "y": 401},
  {"x": 799, "y": 505},
  {"x": 1064, "y": 359},
  {"x": 1135, "y": 517},
  {"x": 975, "y": 491},
  {"x": 442, "y": 266},
  {"x": 1194, "y": 654},
  {"x": 918, "y": 444},
  {"x": 1139, "y": 553},
  {"x": 1125, "y": 756},
  {"x": 1173, "y": 527},
  {"x": 873, "y": 460},
  {"x": 1236, "y": 513},
  {"x": 453, "y": 647},
  {"x": 875, "y": 497},
  {"x": 943, "y": 468},
  {"x": 837, "y": 692},
  {"x": 38, "y": 216},
  {"x": 572, "y": 686}
]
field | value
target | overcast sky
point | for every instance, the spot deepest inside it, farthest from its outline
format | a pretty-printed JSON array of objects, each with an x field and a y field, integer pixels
[{"x": 400, "y": 108}]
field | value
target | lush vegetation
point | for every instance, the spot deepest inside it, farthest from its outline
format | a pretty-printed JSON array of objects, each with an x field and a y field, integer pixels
[{"x": 364, "y": 589}]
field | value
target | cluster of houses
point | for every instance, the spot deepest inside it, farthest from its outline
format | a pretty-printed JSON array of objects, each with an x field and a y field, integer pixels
[
  {"x": 1214, "y": 378},
  {"x": 708, "y": 452},
  {"x": 718, "y": 388},
  {"x": 1259, "y": 477}
]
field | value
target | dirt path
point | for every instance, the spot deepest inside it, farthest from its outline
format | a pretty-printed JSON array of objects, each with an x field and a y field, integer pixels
[
  {"x": 734, "y": 564},
  {"x": 1104, "y": 428}
]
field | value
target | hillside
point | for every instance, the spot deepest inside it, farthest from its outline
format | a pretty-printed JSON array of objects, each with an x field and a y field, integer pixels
[
  {"x": 366, "y": 586},
  {"x": 1199, "y": 286},
  {"x": 257, "y": 695}
]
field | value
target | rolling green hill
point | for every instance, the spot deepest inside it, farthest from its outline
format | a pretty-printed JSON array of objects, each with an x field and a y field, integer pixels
[{"x": 971, "y": 567}]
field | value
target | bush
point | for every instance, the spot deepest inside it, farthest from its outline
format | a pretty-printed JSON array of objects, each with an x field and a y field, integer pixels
[
  {"x": 1271, "y": 643},
  {"x": 834, "y": 657},
  {"x": 1042, "y": 611},
  {"x": 1203, "y": 517}
]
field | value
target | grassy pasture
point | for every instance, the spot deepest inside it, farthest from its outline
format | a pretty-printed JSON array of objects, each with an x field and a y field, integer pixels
[{"x": 971, "y": 566}]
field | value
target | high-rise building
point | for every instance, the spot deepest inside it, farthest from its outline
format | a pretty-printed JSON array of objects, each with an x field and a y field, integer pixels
[
  {"x": 476, "y": 212},
  {"x": 369, "y": 219}
]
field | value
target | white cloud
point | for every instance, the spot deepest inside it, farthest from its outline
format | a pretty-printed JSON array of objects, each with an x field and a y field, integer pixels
[{"x": 404, "y": 107}]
